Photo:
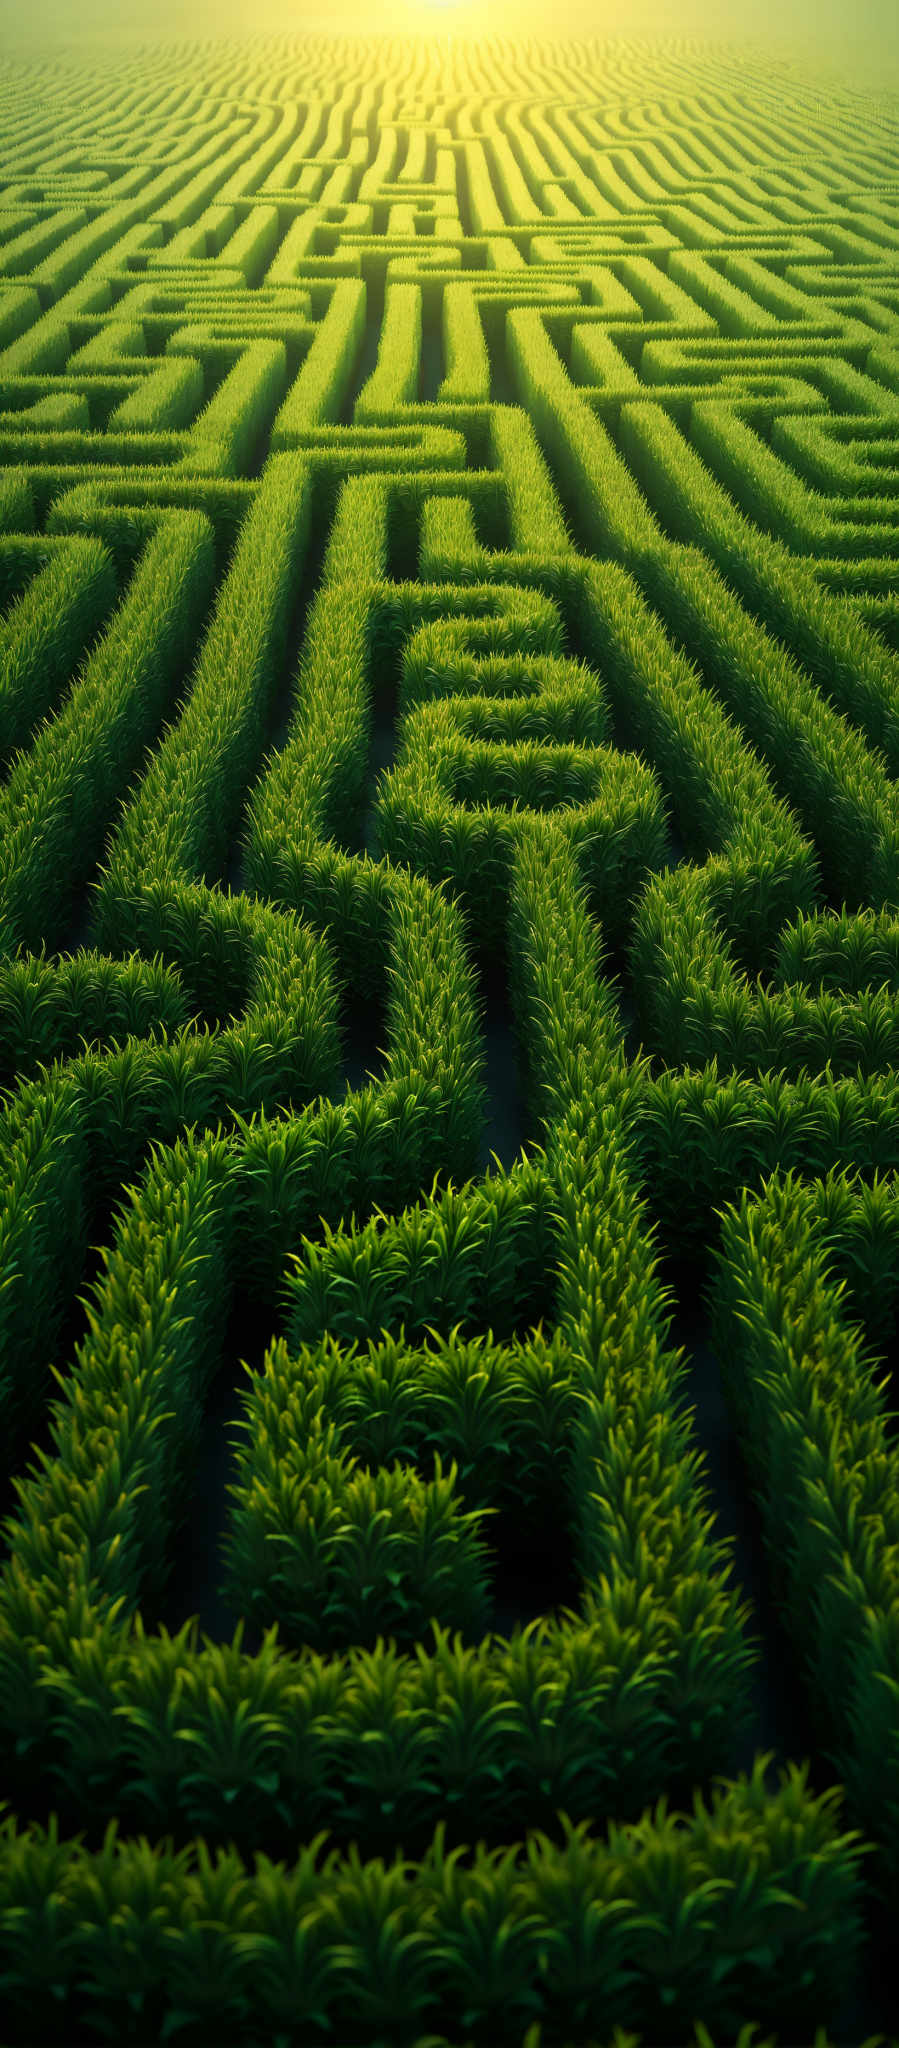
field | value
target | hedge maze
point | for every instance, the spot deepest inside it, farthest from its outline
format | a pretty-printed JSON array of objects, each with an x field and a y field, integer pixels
[{"x": 449, "y": 1039}]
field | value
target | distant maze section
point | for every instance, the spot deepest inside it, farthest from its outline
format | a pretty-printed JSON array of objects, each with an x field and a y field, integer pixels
[{"x": 449, "y": 1035}]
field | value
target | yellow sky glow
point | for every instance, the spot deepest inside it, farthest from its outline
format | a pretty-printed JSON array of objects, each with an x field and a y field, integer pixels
[{"x": 858, "y": 39}]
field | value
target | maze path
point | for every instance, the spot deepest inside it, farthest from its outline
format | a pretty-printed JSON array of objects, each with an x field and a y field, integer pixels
[{"x": 449, "y": 693}]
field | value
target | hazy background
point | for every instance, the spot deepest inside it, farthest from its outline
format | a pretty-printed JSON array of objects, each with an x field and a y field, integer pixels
[{"x": 858, "y": 39}]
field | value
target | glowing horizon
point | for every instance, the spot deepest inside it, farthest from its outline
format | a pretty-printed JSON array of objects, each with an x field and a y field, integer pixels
[{"x": 861, "y": 41}]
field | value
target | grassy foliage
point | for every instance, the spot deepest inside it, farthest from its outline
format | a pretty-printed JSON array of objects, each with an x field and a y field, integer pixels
[{"x": 449, "y": 1000}]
